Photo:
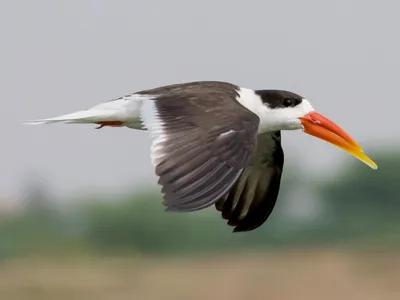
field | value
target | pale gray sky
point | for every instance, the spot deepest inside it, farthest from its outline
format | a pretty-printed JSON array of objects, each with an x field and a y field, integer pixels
[{"x": 60, "y": 56}]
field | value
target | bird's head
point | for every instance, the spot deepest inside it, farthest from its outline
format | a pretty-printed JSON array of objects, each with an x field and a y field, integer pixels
[{"x": 284, "y": 110}]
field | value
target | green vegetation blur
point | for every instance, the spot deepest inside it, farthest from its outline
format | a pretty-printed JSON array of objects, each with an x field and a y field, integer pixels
[{"x": 358, "y": 207}]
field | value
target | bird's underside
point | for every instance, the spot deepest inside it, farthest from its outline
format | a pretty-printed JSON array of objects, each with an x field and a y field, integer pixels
[{"x": 206, "y": 148}]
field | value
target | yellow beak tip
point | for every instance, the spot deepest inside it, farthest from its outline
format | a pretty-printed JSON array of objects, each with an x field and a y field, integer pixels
[
  {"x": 371, "y": 164},
  {"x": 359, "y": 153}
]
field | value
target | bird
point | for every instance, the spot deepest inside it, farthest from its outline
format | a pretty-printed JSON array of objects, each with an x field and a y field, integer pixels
[{"x": 217, "y": 143}]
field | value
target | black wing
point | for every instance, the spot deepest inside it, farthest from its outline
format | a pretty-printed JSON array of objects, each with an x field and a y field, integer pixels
[
  {"x": 204, "y": 140},
  {"x": 252, "y": 199}
]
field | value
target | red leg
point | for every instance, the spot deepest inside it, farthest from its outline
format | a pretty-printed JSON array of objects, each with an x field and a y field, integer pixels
[{"x": 110, "y": 123}]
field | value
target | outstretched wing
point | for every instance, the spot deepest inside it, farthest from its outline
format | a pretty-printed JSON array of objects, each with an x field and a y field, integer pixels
[
  {"x": 252, "y": 199},
  {"x": 203, "y": 139}
]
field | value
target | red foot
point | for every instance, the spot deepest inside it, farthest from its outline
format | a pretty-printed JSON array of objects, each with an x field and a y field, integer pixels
[{"x": 110, "y": 123}]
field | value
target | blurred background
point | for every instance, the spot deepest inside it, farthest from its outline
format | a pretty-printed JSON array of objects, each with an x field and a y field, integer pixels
[{"x": 80, "y": 210}]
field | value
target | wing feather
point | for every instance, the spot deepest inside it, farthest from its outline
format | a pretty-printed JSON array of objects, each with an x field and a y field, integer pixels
[
  {"x": 202, "y": 141},
  {"x": 253, "y": 197}
]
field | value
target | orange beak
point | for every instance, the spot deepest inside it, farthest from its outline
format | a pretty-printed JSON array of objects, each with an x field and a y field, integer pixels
[{"x": 317, "y": 125}]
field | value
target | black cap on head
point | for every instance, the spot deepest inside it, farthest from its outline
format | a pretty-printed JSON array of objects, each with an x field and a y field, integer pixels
[{"x": 279, "y": 98}]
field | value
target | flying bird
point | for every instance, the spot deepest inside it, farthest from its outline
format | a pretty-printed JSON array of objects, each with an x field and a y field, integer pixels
[{"x": 217, "y": 143}]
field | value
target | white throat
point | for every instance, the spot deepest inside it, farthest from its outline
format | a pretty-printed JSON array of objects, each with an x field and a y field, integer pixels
[{"x": 274, "y": 119}]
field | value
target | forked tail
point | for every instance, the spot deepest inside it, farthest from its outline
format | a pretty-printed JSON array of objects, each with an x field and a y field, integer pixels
[{"x": 80, "y": 117}]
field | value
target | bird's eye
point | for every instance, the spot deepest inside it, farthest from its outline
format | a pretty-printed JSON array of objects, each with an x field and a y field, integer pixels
[{"x": 287, "y": 102}]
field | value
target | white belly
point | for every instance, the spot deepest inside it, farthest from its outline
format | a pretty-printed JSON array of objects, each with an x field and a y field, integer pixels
[{"x": 126, "y": 109}]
